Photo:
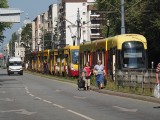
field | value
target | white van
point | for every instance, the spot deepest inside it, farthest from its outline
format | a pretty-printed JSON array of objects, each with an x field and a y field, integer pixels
[{"x": 14, "y": 66}]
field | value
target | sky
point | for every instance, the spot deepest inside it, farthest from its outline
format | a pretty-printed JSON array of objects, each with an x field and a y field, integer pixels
[{"x": 30, "y": 7}]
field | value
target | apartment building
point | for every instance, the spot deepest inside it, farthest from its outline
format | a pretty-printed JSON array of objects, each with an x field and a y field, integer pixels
[
  {"x": 43, "y": 25},
  {"x": 85, "y": 11},
  {"x": 19, "y": 49},
  {"x": 97, "y": 20},
  {"x": 36, "y": 36},
  {"x": 69, "y": 22}
]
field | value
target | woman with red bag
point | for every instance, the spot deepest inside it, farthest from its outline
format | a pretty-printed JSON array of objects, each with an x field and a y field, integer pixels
[{"x": 87, "y": 76}]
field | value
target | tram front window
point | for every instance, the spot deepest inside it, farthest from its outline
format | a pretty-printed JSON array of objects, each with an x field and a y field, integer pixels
[
  {"x": 75, "y": 55},
  {"x": 133, "y": 55}
]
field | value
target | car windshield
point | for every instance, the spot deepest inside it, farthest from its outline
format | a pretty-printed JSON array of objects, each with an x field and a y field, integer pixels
[{"x": 15, "y": 63}]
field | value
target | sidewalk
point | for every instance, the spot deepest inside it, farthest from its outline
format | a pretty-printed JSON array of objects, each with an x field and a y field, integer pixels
[{"x": 133, "y": 96}]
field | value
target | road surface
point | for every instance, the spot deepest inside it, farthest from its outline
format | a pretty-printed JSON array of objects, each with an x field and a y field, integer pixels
[{"x": 31, "y": 97}]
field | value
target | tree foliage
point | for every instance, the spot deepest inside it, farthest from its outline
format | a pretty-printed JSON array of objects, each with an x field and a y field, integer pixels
[
  {"x": 141, "y": 17},
  {"x": 12, "y": 43},
  {"x": 26, "y": 36}
]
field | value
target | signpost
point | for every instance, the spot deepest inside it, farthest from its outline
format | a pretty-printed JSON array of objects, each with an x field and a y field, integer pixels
[{"x": 10, "y": 15}]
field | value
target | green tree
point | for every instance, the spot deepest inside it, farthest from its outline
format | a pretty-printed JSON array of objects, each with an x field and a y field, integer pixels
[
  {"x": 12, "y": 44},
  {"x": 141, "y": 17},
  {"x": 26, "y": 37}
]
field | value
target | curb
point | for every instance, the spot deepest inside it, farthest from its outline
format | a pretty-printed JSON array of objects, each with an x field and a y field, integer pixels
[{"x": 127, "y": 95}]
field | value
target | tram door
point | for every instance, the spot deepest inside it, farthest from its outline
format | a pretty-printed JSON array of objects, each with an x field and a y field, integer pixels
[{"x": 112, "y": 63}]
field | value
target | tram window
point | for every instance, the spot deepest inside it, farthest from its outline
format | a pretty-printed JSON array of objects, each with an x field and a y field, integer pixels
[
  {"x": 103, "y": 57},
  {"x": 97, "y": 55},
  {"x": 84, "y": 58},
  {"x": 75, "y": 55},
  {"x": 88, "y": 57}
]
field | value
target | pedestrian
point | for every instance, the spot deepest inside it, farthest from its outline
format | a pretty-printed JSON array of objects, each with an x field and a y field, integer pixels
[
  {"x": 157, "y": 73},
  {"x": 157, "y": 86},
  {"x": 26, "y": 66},
  {"x": 86, "y": 76},
  {"x": 45, "y": 67},
  {"x": 100, "y": 73}
]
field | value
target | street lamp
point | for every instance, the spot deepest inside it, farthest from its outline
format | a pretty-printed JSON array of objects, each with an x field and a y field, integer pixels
[{"x": 108, "y": 25}]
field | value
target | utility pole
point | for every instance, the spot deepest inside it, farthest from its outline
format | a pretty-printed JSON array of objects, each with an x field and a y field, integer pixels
[
  {"x": 52, "y": 38},
  {"x": 78, "y": 28},
  {"x": 43, "y": 33},
  {"x": 122, "y": 18}
]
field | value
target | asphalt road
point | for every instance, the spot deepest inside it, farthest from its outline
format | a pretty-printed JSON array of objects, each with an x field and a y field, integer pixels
[{"x": 31, "y": 97}]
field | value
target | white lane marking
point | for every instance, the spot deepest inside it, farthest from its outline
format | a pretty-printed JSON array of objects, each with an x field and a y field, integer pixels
[
  {"x": 27, "y": 92},
  {"x": 125, "y": 109},
  {"x": 26, "y": 88},
  {"x": 47, "y": 101},
  {"x": 79, "y": 97},
  {"x": 31, "y": 95},
  {"x": 88, "y": 118},
  {"x": 38, "y": 98},
  {"x": 58, "y": 90},
  {"x": 58, "y": 105},
  {"x": 20, "y": 111}
]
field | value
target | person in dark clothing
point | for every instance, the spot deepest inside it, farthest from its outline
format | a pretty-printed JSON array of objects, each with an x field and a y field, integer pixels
[{"x": 45, "y": 67}]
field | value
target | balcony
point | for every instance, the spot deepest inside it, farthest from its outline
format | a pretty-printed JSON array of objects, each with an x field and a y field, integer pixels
[{"x": 95, "y": 26}]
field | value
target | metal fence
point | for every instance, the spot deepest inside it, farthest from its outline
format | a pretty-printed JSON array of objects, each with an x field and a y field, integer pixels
[{"x": 135, "y": 79}]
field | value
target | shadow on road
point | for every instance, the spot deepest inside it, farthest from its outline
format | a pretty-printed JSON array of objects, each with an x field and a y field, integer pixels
[
  {"x": 6, "y": 80},
  {"x": 3, "y": 74},
  {"x": 157, "y": 107}
]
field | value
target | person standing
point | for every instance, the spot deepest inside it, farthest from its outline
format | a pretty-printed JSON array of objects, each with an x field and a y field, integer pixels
[
  {"x": 86, "y": 76},
  {"x": 100, "y": 74},
  {"x": 45, "y": 65},
  {"x": 157, "y": 73}
]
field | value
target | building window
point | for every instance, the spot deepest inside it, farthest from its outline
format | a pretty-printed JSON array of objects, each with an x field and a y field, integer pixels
[
  {"x": 83, "y": 4},
  {"x": 93, "y": 12},
  {"x": 84, "y": 13},
  {"x": 94, "y": 31}
]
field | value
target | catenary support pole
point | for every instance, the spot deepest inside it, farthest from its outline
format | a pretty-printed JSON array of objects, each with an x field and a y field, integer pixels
[{"x": 122, "y": 18}]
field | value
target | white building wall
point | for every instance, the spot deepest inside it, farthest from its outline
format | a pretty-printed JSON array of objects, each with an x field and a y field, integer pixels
[
  {"x": 33, "y": 37},
  {"x": 54, "y": 16},
  {"x": 38, "y": 33},
  {"x": 71, "y": 15}
]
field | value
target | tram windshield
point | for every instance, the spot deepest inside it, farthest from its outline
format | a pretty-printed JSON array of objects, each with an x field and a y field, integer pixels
[
  {"x": 133, "y": 55},
  {"x": 75, "y": 55}
]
